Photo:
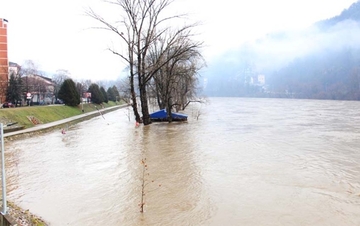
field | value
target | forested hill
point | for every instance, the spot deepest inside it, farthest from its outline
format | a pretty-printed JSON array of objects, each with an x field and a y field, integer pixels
[
  {"x": 333, "y": 70},
  {"x": 352, "y": 13},
  {"x": 321, "y": 62}
]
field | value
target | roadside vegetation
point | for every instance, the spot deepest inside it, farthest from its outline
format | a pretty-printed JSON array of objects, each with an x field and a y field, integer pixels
[{"x": 49, "y": 113}]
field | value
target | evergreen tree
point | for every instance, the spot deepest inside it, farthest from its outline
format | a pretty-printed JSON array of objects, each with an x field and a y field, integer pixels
[
  {"x": 113, "y": 94},
  {"x": 96, "y": 95},
  {"x": 110, "y": 94},
  {"x": 104, "y": 94},
  {"x": 68, "y": 93},
  {"x": 116, "y": 93},
  {"x": 13, "y": 93}
]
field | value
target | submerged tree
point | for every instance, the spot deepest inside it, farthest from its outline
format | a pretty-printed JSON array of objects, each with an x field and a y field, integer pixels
[
  {"x": 140, "y": 28},
  {"x": 175, "y": 83}
]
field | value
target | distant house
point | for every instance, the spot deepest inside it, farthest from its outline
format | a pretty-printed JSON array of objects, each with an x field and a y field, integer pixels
[
  {"x": 258, "y": 80},
  {"x": 261, "y": 79},
  {"x": 38, "y": 89}
]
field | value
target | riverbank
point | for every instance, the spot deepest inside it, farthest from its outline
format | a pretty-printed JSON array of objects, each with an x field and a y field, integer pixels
[
  {"x": 18, "y": 217},
  {"x": 27, "y": 117},
  {"x": 63, "y": 117},
  {"x": 15, "y": 215}
]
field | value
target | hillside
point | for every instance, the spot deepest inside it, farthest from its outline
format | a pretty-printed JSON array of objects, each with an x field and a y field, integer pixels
[
  {"x": 321, "y": 61},
  {"x": 352, "y": 13}
]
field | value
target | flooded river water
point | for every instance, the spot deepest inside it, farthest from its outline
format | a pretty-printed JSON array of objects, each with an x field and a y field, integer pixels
[{"x": 237, "y": 161}]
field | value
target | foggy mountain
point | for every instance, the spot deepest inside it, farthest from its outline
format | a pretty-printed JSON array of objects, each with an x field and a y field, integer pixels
[{"x": 322, "y": 61}]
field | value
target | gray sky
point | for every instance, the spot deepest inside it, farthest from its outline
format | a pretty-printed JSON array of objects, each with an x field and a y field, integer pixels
[{"x": 55, "y": 34}]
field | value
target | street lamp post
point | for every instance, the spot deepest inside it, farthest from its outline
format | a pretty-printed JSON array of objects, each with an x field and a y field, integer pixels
[{"x": 3, "y": 176}]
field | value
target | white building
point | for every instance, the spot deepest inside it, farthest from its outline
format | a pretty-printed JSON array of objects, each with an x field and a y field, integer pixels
[{"x": 261, "y": 79}]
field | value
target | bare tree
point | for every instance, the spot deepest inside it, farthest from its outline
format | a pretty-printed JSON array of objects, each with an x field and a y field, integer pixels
[
  {"x": 39, "y": 87},
  {"x": 86, "y": 83},
  {"x": 32, "y": 80},
  {"x": 81, "y": 89},
  {"x": 123, "y": 85},
  {"x": 58, "y": 78},
  {"x": 176, "y": 82},
  {"x": 30, "y": 68},
  {"x": 141, "y": 26}
]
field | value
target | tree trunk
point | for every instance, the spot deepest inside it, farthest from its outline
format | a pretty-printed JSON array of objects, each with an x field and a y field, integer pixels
[
  {"x": 168, "y": 110},
  {"x": 133, "y": 98},
  {"x": 144, "y": 106}
]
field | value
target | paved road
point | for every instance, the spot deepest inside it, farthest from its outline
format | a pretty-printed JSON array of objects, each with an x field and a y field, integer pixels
[{"x": 63, "y": 121}]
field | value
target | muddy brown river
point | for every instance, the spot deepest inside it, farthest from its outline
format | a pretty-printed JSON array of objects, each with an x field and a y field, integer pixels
[{"x": 237, "y": 161}]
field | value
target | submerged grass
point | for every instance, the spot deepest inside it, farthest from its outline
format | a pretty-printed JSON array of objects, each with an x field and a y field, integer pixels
[{"x": 46, "y": 114}]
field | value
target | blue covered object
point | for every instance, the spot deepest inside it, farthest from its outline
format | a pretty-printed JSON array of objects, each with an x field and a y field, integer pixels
[{"x": 161, "y": 115}]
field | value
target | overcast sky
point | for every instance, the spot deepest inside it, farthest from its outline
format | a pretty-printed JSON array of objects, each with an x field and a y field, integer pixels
[{"x": 55, "y": 34}]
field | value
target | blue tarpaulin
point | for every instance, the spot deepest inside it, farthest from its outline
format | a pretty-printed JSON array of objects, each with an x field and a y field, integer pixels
[{"x": 162, "y": 116}]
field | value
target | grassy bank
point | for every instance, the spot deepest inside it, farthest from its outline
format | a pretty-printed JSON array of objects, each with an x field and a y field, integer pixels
[{"x": 27, "y": 116}]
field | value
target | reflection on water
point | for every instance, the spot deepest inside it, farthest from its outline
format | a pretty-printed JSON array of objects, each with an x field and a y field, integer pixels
[{"x": 243, "y": 162}]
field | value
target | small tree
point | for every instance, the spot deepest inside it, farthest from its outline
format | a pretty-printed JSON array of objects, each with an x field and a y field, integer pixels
[
  {"x": 69, "y": 94},
  {"x": 96, "y": 95}
]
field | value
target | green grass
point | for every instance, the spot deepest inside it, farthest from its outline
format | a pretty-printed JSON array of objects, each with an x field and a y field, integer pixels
[{"x": 46, "y": 114}]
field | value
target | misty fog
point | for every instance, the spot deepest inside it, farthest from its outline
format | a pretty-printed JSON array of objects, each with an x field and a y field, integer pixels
[{"x": 271, "y": 54}]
